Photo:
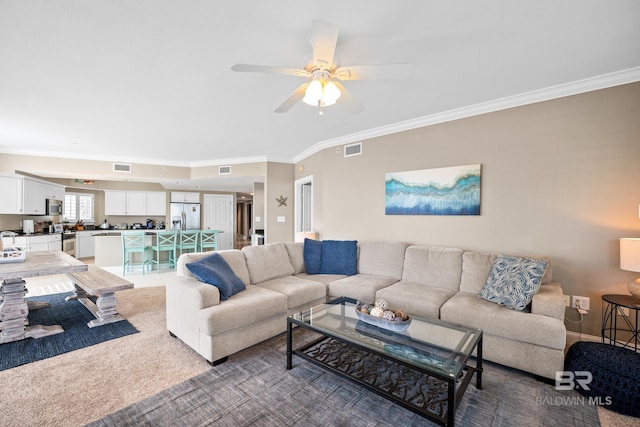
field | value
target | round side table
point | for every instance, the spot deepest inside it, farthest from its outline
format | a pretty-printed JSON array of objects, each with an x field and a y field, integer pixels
[{"x": 628, "y": 329}]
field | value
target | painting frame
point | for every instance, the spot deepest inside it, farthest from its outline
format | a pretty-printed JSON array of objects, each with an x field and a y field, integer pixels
[{"x": 446, "y": 191}]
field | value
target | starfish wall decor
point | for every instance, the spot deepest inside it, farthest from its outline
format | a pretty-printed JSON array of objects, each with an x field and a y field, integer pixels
[{"x": 282, "y": 201}]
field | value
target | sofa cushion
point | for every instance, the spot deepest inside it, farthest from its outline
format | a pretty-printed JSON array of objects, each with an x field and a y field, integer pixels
[
  {"x": 476, "y": 267},
  {"x": 296, "y": 256},
  {"x": 322, "y": 278},
  {"x": 469, "y": 310},
  {"x": 298, "y": 291},
  {"x": 339, "y": 257},
  {"x": 362, "y": 287},
  {"x": 433, "y": 266},
  {"x": 513, "y": 281},
  {"x": 312, "y": 256},
  {"x": 214, "y": 270},
  {"x": 381, "y": 258},
  {"x": 253, "y": 305},
  {"x": 415, "y": 298},
  {"x": 266, "y": 262}
]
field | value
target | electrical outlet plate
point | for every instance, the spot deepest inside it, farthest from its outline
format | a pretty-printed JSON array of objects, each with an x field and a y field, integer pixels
[
  {"x": 623, "y": 311},
  {"x": 567, "y": 300},
  {"x": 584, "y": 302}
]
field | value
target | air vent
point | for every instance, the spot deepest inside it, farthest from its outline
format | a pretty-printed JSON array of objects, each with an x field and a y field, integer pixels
[
  {"x": 121, "y": 167},
  {"x": 353, "y": 149},
  {"x": 224, "y": 170}
]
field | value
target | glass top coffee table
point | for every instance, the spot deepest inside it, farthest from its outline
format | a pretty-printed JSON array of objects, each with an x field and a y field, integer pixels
[{"x": 424, "y": 368}]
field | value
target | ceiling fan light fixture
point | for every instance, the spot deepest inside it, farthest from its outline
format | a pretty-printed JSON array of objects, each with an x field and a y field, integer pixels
[{"x": 321, "y": 93}]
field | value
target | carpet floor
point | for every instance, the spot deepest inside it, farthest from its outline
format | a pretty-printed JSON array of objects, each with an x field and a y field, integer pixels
[
  {"x": 73, "y": 317},
  {"x": 75, "y": 388},
  {"x": 253, "y": 388}
]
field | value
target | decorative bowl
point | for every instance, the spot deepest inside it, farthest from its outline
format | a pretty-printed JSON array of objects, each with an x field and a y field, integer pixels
[{"x": 390, "y": 325}]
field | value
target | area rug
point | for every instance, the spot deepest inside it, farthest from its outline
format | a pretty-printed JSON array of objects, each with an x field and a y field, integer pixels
[
  {"x": 73, "y": 318},
  {"x": 78, "y": 387},
  {"x": 254, "y": 388}
]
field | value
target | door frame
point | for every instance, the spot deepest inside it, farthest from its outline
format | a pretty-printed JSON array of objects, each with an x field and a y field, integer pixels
[{"x": 299, "y": 203}]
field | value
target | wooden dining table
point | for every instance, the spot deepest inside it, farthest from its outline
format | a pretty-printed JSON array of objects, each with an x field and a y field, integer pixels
[{"x": 14, "y": 309}]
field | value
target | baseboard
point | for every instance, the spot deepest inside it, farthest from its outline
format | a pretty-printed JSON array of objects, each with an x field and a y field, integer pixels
[{"x": 574, "y": 337}]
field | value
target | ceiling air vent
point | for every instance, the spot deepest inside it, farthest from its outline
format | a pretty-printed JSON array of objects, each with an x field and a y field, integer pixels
[
  {"x": 353, "y": 149},
  {"x": 121, "y": 167},
  {"x": 224, "y": 170}
]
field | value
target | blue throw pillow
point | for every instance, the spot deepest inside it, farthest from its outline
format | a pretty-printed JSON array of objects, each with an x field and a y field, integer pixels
[
  {"x": 339, "y": 257},
  {"x": 514, "y": 281},
  {"x": 312, "y": 256},
  {"x": 215, "y": 271}
]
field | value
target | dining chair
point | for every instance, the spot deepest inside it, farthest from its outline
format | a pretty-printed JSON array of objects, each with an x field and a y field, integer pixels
[
  {"x": 166, "y": 241},
  {"x": 134, "y": 242},
  {"x": 208, "y": 240},
  {"x": 188, "y": 241}
]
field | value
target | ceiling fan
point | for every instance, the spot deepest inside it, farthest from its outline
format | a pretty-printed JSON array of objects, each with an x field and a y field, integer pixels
[{"x": 323, "y": 72}]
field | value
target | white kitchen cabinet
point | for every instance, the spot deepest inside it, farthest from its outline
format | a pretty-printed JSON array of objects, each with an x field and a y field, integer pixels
[
  {"x": 33, "y": 201},
  {"x": 182, "y": 197},
  {"x": 55, "y": 242},
  {"x": 11, "y": 200},
  {"x": 35, "y": 243},
  {"x": 137, "y": 203},
  {"x": 115, "y": 202},
  {"x": 156, "y": 203},
  {"x": 86, "y": 243},
  {"x": 35, "y": 194}
]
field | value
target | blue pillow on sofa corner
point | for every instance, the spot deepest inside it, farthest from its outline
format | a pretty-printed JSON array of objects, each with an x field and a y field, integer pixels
[
  {"x": 312, "y": 253},
  {"x": 339, "y": 257},
  {"x": 215, "y": 271}
]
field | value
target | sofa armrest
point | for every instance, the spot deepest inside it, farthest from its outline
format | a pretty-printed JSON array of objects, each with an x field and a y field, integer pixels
[
  {"x": 191, "y": 294},
  {"x": 549, "y": 301}
]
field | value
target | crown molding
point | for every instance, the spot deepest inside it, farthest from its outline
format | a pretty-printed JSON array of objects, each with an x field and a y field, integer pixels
[{"x": 604, "y": 81}]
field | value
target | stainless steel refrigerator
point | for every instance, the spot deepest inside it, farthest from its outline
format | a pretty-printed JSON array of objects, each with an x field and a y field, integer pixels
[{"x": 185, "y": 216}]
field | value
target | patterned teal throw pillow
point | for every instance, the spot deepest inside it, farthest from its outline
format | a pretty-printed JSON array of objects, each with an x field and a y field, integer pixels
[{"x": 513, "y": 281}]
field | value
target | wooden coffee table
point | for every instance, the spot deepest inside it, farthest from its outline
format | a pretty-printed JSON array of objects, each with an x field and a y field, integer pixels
[{"x": 423, "y": 369}]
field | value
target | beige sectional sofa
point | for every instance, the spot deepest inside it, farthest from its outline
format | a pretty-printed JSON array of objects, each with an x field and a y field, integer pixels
[{"x": 425, "y": 281}]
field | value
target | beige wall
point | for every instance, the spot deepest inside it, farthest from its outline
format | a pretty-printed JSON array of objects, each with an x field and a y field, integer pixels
[
  {"x": 559, "y": 178},
  {"x": 279, "y": 183}
]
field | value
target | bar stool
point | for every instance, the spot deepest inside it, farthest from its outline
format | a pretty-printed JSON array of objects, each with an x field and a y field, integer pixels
[
  {"x": 208, "y": 240},
  {"x": 188, "y": 241},
  {"x": 166, "y": 241},
  {"x": 134, "y": 242}
]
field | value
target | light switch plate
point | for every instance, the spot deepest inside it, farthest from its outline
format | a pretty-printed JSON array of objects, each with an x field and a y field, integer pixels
[{"x": 281, "y": 219}]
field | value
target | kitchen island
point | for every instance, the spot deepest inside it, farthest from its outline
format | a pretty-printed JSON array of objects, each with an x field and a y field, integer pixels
[{"x": 109, "y": 247}]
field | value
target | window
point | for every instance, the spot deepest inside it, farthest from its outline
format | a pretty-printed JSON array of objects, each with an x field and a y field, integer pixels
[{"x": 78, "y": 206}]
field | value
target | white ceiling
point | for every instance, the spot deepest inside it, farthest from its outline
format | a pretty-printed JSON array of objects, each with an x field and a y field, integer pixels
[{"x": 150, "y": 81}]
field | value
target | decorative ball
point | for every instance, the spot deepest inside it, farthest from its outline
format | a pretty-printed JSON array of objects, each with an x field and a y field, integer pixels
[
  {"x": 382, "y": 304},
  {"x": 376, "y": 311},
  {"x": 401, "y": 314},
  {"x": 364, "y": 309},
  {"x": 388, "y": 315},
  {"x": 397, "y": 319}
]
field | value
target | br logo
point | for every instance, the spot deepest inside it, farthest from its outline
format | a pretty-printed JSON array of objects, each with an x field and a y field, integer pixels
[{"x": 569, "y": 380}]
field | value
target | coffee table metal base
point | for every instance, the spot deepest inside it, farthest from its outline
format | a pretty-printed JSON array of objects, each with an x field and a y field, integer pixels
[{"x": 422, "y": 391}]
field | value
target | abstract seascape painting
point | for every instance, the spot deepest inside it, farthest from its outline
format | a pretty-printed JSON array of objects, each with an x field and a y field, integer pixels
[{"x": 442, "y": 191}]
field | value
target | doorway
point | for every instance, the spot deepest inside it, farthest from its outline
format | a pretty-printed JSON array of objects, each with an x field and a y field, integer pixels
[{"x": 218, "y": 215}]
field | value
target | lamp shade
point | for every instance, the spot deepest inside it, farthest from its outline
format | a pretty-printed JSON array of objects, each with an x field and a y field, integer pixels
[
  {"x": 301, "y": 235},
  {"x": 630, "y": 254}
]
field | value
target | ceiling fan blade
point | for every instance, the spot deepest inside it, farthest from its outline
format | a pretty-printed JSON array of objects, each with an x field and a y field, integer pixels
[
  {"x": 292, "y": 99},
  {"x": 249, "y": 68},
  {"x": 373, "y": 72},
  {"x": 323, "y": 40},
  {"x": 348, "y": 101}
]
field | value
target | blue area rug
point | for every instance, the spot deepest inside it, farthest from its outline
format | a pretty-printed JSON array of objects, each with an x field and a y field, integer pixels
[{"x": 73, "y": 318}]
